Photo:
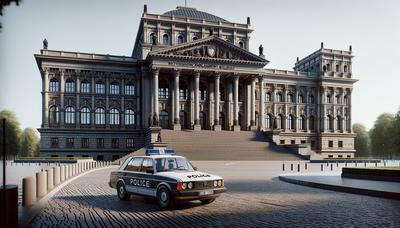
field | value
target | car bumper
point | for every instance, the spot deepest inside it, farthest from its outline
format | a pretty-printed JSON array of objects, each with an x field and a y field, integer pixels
[{"x": 198, "y": 194}]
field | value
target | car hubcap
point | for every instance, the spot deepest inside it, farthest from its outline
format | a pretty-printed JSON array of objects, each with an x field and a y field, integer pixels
[
  {"x": 164, "y": 196},
  {"x": 121, "y": 191}
]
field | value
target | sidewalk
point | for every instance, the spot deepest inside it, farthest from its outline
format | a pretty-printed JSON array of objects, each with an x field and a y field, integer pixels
[{"x": 334, "y": 181}]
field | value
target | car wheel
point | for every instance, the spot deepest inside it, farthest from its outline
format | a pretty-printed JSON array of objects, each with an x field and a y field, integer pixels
[
  {"x": 206, "y": 201},
  {"x": 121, "y": 191},
  {"x": 164, "y": 197}
]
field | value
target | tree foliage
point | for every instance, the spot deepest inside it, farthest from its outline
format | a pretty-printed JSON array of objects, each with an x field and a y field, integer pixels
[
  {"x": 362, "y": 140},
  {"x": 29, "y": 143},
  {"x": 383, "y": 134},
  {"x": 13, "y": 132}
]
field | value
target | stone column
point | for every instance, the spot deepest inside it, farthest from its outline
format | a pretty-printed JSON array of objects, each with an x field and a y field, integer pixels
[
  {"x": 177, "y": 125},
  {"x": 253, "y": 105},
  {"x": 78, "y": 109},
  {"x": 62, "y": 108},
  {"x": 122, "y": 107},
  {"x": 107, "y": 113},
  {"x": 236, "y": 126},
  {"x": 92, "y": 108},
  {"x": 217, "y": 126},
  {"x": 155, "y": 110},
  {"x": 262, "y": 97},
  {"x": 45, "y": 104},
  {"x": 197, "y": 126}
]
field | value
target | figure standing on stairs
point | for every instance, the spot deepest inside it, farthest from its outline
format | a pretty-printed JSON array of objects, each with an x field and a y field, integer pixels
[{"x": 159, "y": 139}]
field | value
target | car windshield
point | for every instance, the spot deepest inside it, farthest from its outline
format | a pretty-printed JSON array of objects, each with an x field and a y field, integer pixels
[{"x": 173, "y": 163}]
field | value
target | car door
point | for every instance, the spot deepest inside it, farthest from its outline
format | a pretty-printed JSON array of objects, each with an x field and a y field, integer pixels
[
  {"x": 132, "y": 170},
  {"x": 147, "y": 185}
]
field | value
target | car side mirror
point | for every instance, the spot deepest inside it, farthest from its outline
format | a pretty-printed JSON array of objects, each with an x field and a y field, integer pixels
[
  {"x": 195, "y": 168},
  {"x": 150, "y": 171}
]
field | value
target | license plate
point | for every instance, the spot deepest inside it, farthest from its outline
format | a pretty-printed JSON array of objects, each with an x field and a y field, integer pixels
[{"x": 206, "y": 192}]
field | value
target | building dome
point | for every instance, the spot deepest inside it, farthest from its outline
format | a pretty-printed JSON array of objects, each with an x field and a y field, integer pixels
[{"x": 181, "y": 11}]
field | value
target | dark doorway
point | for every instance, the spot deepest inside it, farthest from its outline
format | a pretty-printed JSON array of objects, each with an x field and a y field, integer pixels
[
  {"x": 203, "y": 120},
  {"x": 183, "y": 119},
  {"x": 222, "y": 120},
  {"x": 164, "y": 119}
]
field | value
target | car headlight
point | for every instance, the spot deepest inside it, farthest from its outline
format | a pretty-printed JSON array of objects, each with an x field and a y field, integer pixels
[
  {"x": 184, "y": 186},
  {"x": 215, "y": 183},
  {"x": 190, "y": 185},
  {"x": 219, "y": 183}
]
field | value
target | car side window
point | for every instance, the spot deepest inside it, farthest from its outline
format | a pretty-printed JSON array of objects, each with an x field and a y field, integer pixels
[
  {"x": 147, "y": 165},
  {"x": 134, "y": 165}
]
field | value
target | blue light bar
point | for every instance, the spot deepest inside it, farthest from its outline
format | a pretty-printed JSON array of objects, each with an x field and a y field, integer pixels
[{"x": 159, "y": 151}]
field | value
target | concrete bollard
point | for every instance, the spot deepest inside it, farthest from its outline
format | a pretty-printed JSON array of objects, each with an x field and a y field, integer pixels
[
  {"x": 79, "y": 168},
  {"x": 50, "y": 179},
  {"x": 305, "y": 165},
  {"x": 41, "y": 184},
  {"x": 298, "y": 167},
  {"x": 291, "y": 167},
  {"x": 62, "y": 173},
  {"x": 283, "y": 167},
  {"x": 322, "y": 167},
  {"x": 331, "y": 167},
  {"x": 66, "y": 172},
  {"x": 28, "y": 191},
  {"x": 57, "y": 177}
]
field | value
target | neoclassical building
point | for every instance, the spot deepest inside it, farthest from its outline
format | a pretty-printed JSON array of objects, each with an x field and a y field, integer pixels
[{"x": 192, "y": 70}]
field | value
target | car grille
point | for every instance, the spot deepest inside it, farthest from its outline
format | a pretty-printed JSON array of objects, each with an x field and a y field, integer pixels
[{"x": 203, "y": 185}]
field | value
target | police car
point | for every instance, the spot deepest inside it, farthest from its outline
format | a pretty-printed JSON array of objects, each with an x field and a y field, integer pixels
[{"x": 167, "y": 177}]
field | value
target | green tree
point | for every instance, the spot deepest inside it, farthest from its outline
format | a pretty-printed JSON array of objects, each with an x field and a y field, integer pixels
[
  {"x": 362, "y": 140},
  {"x": 13, "y": 131},
  {"x": 396, "y": 134},
  {"x": 382, "y": 136},
  {"x": 29, "y": 143}
]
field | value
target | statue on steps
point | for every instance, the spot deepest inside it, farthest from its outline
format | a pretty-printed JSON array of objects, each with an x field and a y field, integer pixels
[{"x": 155, "y": 120}]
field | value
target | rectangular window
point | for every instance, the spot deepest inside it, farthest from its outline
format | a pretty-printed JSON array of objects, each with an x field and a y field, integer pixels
[
  {"x": 70, "y": 87},
  {"x": 129, "y": 90},
  {"x": 130, "y": 143},
  {"x": 54, "y": 142},
  {"x": 85, "y": 142},
  {"x": 303, "y": 141},
  {"x": 330, "y": 156},
  {"x": 54, "y": 86},
  {"x": 330, "y": 143},
  {"x": 115, "y": 142},
  {"x": 85, "y": 87},
  {"x": 340, "y": 156},
  {"x": 100, "y": 88},
  {"x": 340, "y": 144},
  {"x": 292, "y": 142},
  {"x": 163, "y": 93},
  {"x": 183, "y": 94},
  {"x": 312, "y": 144},
  {"x": 100, "y": 143},
  {"x": 114, "y": 89},
  {"x": 348, "y": 156},
  {"x": 203, "y": 95},
  {"x": 70, "y": 143},
  {"x": 282, "y": 142}
]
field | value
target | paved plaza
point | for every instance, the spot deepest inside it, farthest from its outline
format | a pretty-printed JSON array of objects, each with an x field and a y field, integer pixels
[{"x": 255, "y": 198}]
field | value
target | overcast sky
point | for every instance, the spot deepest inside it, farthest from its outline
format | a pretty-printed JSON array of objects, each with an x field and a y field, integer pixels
[{"x": 286, "y": 29}]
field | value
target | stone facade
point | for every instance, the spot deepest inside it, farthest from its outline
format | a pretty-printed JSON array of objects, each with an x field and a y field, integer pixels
[{"x": 192, "y": 70}]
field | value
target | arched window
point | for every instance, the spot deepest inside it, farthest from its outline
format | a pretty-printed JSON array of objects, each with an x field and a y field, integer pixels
[
  {"x": 330, "y": 123},
  {"x": 268, "y": 121},
  {"x": 152, "y": 38},
  {"x": 70, "y": 115},
  {"x": 279, "y": 97},
  {"x": 302, "y": 123},
  {"x": 180, "y": 39},
  {"x": 100, "y": 116},
  {"x": 114, "y": 88},
  {"x": 241, "y": 44},
  {"x": 54, "y": 85},
  {"x": 328, "y": 66},
  {"x": 129, "y": 89},
  {"x": 129, "y": 117},
  {"x": 114, "y": 116},
  {"x": 339, "y": 123},
  {"x": 85, "y": 86},
  {"x": 279, "y": 122},
  {"x": 69, "y": 86},
  {"x": 85, "y": 115},
  {"x": 311, "y": 99},
  {"x": 337, "y": 99},
  {"x": 328, "y": 99},
  {"x": 291, "y": 122},
  {"x": 290, "y": 98},
  {"x": 345, "y": 68},
  {"x": 54, "y": 115},
  {"x": 100, "y": 88},
  {"x": 165, "y": 39},
  {"x": 346, "y": 100},
  {"x": 301, "y": 99},
  {"x": 311, "y": 123},
  {"x": 194, "y": 38},
  {"x": 268, "y": 97},
  {"x": 337, "y": 68}
]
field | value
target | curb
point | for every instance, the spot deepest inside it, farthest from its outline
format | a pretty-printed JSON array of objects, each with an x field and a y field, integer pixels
[
  {"x": 31, "y": 212},
  {"x": 338, "y": 188}
]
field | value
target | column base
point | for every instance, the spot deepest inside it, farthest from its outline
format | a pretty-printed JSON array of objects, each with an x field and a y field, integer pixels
[
  {"x": 176, "y": 127},
  {"x": 197, "y": 127},
  {"x": 217, "y": 127},
  {"x": 253, "y": 128},
  {"x": 236, "y": 128}
]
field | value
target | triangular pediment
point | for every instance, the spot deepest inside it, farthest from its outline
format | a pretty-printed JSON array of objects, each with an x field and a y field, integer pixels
[{"x": 210, "y": 48}]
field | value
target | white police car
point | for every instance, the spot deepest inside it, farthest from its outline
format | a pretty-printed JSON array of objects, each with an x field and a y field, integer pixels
[{"x": 167, "y": 177}]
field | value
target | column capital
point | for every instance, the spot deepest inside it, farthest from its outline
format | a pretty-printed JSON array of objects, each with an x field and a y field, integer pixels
[
  {"x": 177, "y": 72},
  {"x": 236, "y": 76},
  {"x": 260, "y": 77},
  {"x": 217, "y": 75},
  {"x": 155, "y": 70},
  {"x": 61, "y": 71},
  {"x": 322, "y": 89},
  {"x": 197, "y": 73}
]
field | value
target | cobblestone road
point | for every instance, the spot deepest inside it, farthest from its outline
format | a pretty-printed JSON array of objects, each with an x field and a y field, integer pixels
[{"x": 256, "y": 198}]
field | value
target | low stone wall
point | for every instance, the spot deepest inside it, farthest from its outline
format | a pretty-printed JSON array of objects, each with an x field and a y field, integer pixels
[
  {"x": 37, "y": 186},
  {"x": 382, "y": 174}
]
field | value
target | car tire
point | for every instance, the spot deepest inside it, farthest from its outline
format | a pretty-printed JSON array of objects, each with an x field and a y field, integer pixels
[
  {"x": 121, "y": 191},
  {"x": 207, "y": 201},
  {"x": 164, "y": 197}
]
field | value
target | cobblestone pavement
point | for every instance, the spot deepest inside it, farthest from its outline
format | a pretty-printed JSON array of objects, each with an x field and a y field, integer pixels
[{"x": 255, "y": 198}]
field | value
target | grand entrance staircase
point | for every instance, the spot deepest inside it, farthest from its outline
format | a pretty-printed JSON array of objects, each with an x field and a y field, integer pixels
[{"x": 225, "y": 145}]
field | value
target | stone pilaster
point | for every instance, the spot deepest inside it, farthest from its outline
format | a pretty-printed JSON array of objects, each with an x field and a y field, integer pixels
[
  {"x": 262, "y": 97},
  {"x": 253, "y": 105},
  {"x": 236, "y": 126},
  {"x": 176, "y": 125},
  {"x": 196, "y": 101},
  {"x": 217, "y": 126}
]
